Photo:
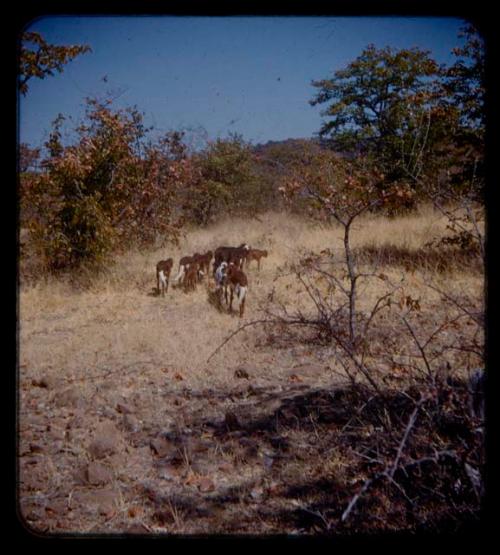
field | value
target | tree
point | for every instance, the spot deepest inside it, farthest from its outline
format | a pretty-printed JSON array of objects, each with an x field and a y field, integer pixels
[
  {"x": 225, "y": 179},
  {"x": 465, "y": 87},
  {"x": 465, "y": 79},
  {"x": 387, "y": 104},
  {"x": 43, "y": 59},
  {"x": 108, "y": 190}
]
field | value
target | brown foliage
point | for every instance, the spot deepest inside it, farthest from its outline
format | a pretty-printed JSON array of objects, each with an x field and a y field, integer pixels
[{"x": 107, "y": 191}]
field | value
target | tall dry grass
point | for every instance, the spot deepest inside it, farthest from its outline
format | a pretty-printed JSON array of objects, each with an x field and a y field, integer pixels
[{"x": 117, "y": 323}]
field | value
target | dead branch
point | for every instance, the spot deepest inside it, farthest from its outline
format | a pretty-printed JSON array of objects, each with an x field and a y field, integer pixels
[
  {"x": 420, "y": 348},
  {"x": 411, "y": 423},
  {"x": 235, "y": 332}
]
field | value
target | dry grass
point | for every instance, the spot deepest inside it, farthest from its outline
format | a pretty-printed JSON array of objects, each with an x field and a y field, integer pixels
[
  {"x": 117, "y": 340},
  {"x": 118, "y": 321}
]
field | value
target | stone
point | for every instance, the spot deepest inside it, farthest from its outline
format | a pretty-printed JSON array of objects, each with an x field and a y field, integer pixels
[
  {"x": 46, "y": 382},
  {"x": 106, "y": 441},
  {"x": 231, "y": 421},
  {"x": 98, "y": 474},
  {"x": 80, "y": 476},
  {"x": 130, "y": 423},
  {"x": 102, "y": 501},
  {"x": 124, "y": 408},
  {"x": 206, "y": 484},
  {"x": 102, "y": 446},
  {"x": 241, "y": 373},
  {"x": 162, "y": 447},
  {"x": 136, "y": 528},
  {"x": 57, "y": 506},
  {"x": 69, "y": 397}
]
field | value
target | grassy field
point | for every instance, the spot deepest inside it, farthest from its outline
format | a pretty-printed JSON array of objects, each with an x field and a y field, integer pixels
[{"x": 121, "y": 406}]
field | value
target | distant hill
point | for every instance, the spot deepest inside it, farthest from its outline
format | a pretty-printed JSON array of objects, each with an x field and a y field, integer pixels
[
  {"x": 286, "y": 144},
  {"x": 289, "y": 147}
]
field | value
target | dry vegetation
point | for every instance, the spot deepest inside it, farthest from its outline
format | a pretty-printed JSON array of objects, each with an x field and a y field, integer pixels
[{"x": 127, "y": 425}]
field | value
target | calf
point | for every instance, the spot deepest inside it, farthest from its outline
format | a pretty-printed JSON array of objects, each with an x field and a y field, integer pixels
[
  {"x": 204, "y": 261},
  {"x": 163, "y": 269},
  {"x": 255, "y": 254},
  {"x": 238, "y": 283},
  {"x": 191, "y": 276},
  {"x": 221, "y": 281},
  {"x": 184, "y": 263}
]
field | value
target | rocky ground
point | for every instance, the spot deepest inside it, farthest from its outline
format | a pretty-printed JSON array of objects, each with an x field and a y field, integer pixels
[{"x": 149, "y": 460}]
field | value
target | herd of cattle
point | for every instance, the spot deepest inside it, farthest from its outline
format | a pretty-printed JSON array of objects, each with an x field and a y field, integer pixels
[{"x": 227, "y": 272}]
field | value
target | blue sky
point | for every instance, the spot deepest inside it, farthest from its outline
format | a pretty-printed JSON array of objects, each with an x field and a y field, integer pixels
[{"x": 250, "y": 75}]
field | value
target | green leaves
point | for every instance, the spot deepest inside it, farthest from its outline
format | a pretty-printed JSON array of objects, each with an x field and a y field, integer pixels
[
  {"x": 226, "y": 178},
  {"x": 400, "y": 108}
]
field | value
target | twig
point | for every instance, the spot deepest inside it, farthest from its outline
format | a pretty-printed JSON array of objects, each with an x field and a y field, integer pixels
[
  {"x": 389, "y": 474},
  {"x": 355, "y": 499},
  {"x": 411, "y": 423},
  {"x": 420, "y": 348},
  {"x": 240, "y": 328}
]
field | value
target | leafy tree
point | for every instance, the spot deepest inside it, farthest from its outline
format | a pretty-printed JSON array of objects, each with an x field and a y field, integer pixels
[
  {"x": 41, "y": 58},
  {"x": 108, "y": 190},
  {"x": 387, "y": 104},
  {"x": 465, "y": 79},
  {"x": 465, "y": 88},
  {"x": 225, "y": 180}
]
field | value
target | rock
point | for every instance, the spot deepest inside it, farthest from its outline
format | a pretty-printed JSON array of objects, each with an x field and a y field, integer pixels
[
  {"x": 56, "y": 446},
  {"x": 163, "y": 517},
  {"x": 32, "y": 423},
  {"x": 123, "y": 408},
  {"x": 231, "y": 421},
  {"x": 162, "y": 447},
  {"x": 106, "y": 441},
  {"x": 47, "y": 382},
  {"x": 103, "y": 501},
  {"x": 136, "y": 528},
  {"x": 206, "y": 484},
  {"x": 101, "y": 447},
  {"x": 98, "y": 474},
  {"x": 80, "y": 476},
  {"x": 106, "y": 412},
  {"x": 57, "y": 506},
  {"x": 225, "y": 467},
  {"x": 36, "y": 448},
  {"x": 69, "y": 397},
  {"x": 56, "y": 434},
  {"x": 130, "y": 423},
  {"x": 241, "y": 373},
  {"x": 169, "y": 473}
]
